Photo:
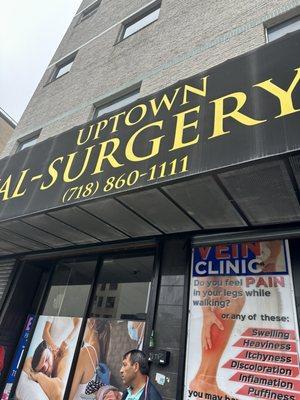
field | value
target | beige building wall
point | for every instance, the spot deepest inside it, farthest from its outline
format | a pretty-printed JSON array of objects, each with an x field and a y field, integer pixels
[
  {"x": 189, "y": 37},
  {"x": 6, "y": 131}
]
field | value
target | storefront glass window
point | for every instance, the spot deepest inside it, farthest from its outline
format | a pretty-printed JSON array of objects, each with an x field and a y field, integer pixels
[
  {"x": 52, "y": 348},
  {"x": 70, "y": 288},
  {"x": 124, "y": 285},
  {"x": 115, "y": 326}
]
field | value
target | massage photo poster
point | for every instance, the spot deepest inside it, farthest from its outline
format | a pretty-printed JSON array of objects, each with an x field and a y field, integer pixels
[
  {"x": 49, "y": 358},
  {"x": 105, "y": 342},
  {"x": 242, "y": 334}
]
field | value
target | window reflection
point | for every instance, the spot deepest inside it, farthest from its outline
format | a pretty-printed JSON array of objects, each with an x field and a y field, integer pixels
[
  {"x": 70, "y": 288},
  {"x": 123, "y": 287},
  {"x": 143, "y": 21}
]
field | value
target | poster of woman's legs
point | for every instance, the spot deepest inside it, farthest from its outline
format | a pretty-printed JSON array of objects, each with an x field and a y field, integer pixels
[{"x": 242, "y": 336}]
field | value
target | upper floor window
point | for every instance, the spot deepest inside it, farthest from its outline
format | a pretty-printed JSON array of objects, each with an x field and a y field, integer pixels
[
  {"x": 28, "y": 141},
  {"x": 63, "y": 68},
  {"x": 110, "y": 302},
  {"x": 117, "y": 102},
  {"x": 89, "y": 11},
  {"x": 100, "y": 301},
  {"x": 113, "y": 286},
  {"x": 279, "y": 30},
  {"x": 138, "y": 23}
]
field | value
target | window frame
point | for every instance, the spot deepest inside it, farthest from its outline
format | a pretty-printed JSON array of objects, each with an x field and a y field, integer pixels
[
  {"x": 110, "y": 301},
  {"x": 99, "y": 301},
  {"x": 154, "y": 249},
  {"x": 150, "y": 304},
  {"x": 89, "y": 11},
  {"x": 32, "y": 137},
  {"x": 140, "y": 15},
  {"x": 271, "y": 28},
  {"x": 60, "y": 65},
  {"x": 115, "y": 99}
]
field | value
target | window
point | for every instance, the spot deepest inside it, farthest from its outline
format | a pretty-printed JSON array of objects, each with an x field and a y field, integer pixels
[
  {"x": 140, "y": 22},
  {"x": 100, "y": 301},
  {"x": 110, "y": 302},
  {"x": 28, "y": 141},
  {"x": 113, "y": 286},
  {"x": 89, "y": 11},
  {"x": 283, "y": 28},
  {"x": 132, "y": 275},
  {"x": 118, "y": 102},
  {"x": 70, "y": 288},
  {"x": 103, "y": 286},
  {"x": 63, "y": 68}
]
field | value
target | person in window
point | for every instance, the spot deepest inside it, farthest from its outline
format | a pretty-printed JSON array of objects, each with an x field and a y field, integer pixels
[
  {"x": 136, "y": 331},
  {"x": 60, "y": 334},
  {"x": 134, "y": 374},
  {"x": 91, "y": 372}
]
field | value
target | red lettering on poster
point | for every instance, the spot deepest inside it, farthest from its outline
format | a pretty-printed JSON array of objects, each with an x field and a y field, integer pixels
[
  {"x": 267, "y": 393},
  {"x": 274, "y": 345},
  {"x": 270, "y": 381},
  {"x": 262, "y": 368},
  {"x": 267, "y": 356},
  {"x": 270, "y": 333}
]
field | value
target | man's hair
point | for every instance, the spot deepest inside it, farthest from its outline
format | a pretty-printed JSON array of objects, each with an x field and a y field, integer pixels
[
  {"x": 138, "y": 356},
  {"x": 38, "y": 354}
]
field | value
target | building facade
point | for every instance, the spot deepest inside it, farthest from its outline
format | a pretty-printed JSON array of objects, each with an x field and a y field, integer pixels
[
  {"x": 150, "y": 199},
  {"x": 7, "y": 125}
]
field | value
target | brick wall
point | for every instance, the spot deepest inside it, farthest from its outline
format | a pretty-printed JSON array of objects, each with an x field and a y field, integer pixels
[{"x": 189, "y": 37}]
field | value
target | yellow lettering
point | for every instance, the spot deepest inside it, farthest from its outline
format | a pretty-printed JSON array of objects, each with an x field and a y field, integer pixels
[
  {"x": 116, "y": 121},
  {"x": 16, "y": 192},
  {"x": 165, "y": 100},
  {"x": 131, "y": 156},
  {"x": 99, "y": 127},
  {"x": 66, "y": 176},
  {"x": 240, "y": 98},
  {"x": 109, "y": 157},
  {"x": 284, "y": 96},
  {"x": 80, "y": 139},
  {"x": 53, "y": 173},
  {"x": 143, "y": 109},
  {"x": 4, "y": 189},
  {"x": 192, "y": 89},
  {"x": 181, "y": 127}
]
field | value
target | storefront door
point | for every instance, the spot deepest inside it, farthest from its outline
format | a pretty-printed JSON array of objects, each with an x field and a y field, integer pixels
[{"x": 96, "y": 308}]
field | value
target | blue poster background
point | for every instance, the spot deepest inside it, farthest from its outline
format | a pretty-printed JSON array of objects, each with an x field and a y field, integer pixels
[
  {"x": 248, "y": 258},
  {"x": 20, "y": 349}
]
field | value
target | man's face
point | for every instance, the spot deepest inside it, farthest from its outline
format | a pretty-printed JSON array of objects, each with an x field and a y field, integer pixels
[
  {"x": 128, "y": 371},
  {"x": 46, "y": 363}
]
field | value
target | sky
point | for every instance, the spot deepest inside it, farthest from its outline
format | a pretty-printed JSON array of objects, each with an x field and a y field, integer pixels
[{"x": 30, "y": 32}]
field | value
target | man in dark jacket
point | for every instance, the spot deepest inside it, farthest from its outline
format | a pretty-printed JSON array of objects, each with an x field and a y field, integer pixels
[{"x": 134, "y": 374}]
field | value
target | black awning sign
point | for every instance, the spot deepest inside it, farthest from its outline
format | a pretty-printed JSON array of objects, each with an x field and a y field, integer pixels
[{"x": 244, "y": 109}]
